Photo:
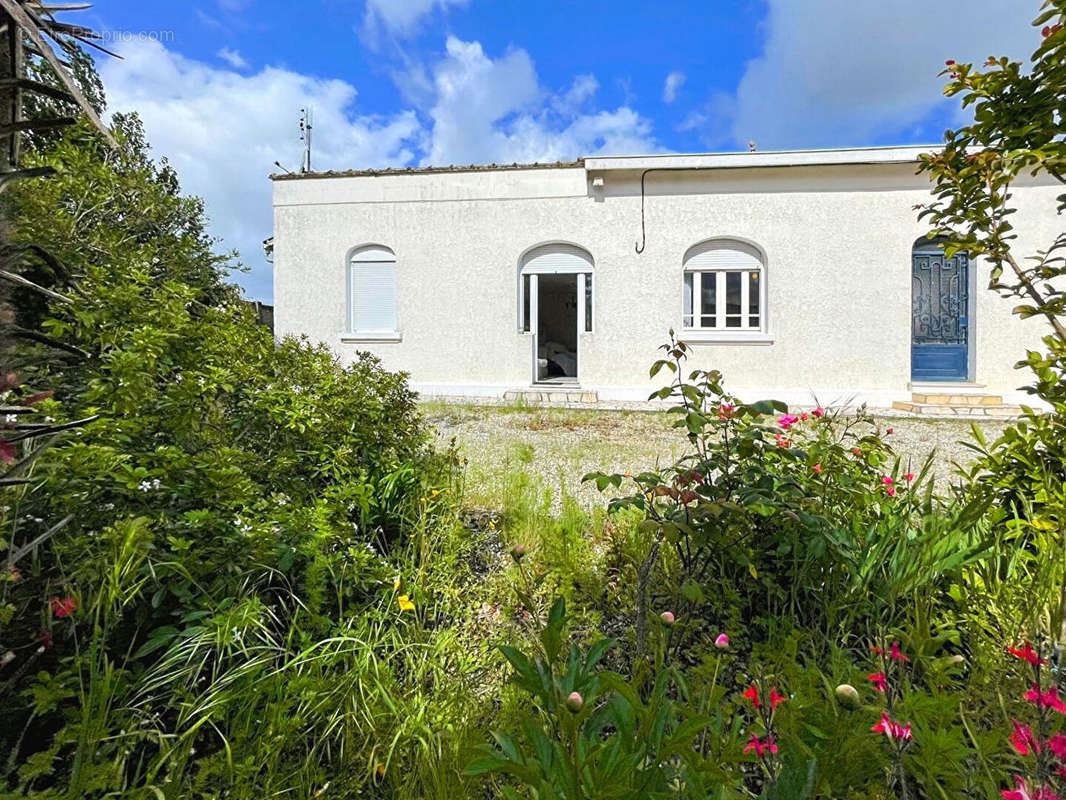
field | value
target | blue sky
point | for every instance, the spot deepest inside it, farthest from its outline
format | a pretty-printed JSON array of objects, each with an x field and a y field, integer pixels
[{"x": 219, "y": 83}]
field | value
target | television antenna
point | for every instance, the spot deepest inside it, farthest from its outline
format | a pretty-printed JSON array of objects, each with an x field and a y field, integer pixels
[{"x": 306, "y": 125}]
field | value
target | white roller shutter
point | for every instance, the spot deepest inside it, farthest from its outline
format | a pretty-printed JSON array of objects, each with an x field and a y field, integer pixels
[
  {"x": 722, "y": 255},
  {"x": 373, "y": 291},
  {"x": 556, "y": 258}
]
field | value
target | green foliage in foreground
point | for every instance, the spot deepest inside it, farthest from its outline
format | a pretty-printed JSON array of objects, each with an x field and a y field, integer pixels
[{"x": 266, "y": 584}]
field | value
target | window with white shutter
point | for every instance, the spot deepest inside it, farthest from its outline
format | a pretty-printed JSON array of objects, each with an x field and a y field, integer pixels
[
  {"x": 724, "y": 287},
  {"x": 372, "y": 292}
]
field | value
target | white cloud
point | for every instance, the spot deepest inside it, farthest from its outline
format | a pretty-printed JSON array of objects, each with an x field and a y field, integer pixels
[
  {"x": 488, "y": 110},
  {"x": 401, "y": 17},
  {"x": 233, "y": 58},
  {"x": 672, "y": 85},
  {"x": 840, "y": 72},
  {"x": 223, "y": 131}
]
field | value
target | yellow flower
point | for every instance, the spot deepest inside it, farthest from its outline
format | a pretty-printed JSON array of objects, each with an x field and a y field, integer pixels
[
  {"x": 379, "y": 771},
  {"x": 396, "y": 583},
  {"x": 405, "y": 603},
  {"x": 435, "y": 492}
]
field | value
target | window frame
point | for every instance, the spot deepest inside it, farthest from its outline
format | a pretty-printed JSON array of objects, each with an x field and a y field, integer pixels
[
  {"x": 692, "y": 327},
  {"x": 351, "y": 333}
]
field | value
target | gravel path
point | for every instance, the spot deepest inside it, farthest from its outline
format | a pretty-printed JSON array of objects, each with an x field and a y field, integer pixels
[{"x": 558, "y": 445}]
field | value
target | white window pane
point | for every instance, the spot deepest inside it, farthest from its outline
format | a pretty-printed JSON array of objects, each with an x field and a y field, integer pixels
[
  {"x": 686, "y": 293},
  {"x": 373, "y": 296}
]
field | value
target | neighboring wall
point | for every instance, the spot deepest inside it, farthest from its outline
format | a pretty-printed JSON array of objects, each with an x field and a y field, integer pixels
[{"x": 837, "y": 241}]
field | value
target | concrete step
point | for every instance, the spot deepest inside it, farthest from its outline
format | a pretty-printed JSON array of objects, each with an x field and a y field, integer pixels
[
  {"x": 963, "y": 410},
  {"x": 943, "y": 399},
  {"x": 553, "y": 394}
]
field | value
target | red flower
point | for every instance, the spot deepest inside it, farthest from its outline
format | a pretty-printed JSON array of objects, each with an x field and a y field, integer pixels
[
  {"x": 1057, "y": 745},
  {"x": 856, "y": 451},
  {"x": 7, "y": 451},
  {"x": 892, "y": 729},
  {"x": 776, "y": 698},
  {"x": 895, "y": 654},
  {"x": 909, "y": 477},
  {"x": 889, "y": 430},
  {"x": 950, "y": 62},
  {"x": 887, "y": 481},
  {"x": 63, "y": 607},
  {"x": 757, "y": 746},
  {"x": 45, "y": 638},
  {"x": 876, "y": 650},
  {"x": 1023, "y": 741},
  {"x": 1048, "y": 699},
  {"x": 817, "y": 468},
  {"x": 1027, "y": 653},
  {"x": 878, "y": 681},
  {"x": 752, "y": 694},
  {"x": 819, "y": 412}
]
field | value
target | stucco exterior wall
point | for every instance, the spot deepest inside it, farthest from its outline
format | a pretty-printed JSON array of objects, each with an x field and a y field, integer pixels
[{"x": 837, "y": 241}]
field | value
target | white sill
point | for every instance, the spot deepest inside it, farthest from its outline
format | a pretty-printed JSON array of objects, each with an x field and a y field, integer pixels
[
  {"x": 372, "y": 336},
  {"x": 725, "y": 337}
]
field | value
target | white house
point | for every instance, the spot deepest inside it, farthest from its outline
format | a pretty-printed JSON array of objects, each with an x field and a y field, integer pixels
[{"x": 800, "y": 275}]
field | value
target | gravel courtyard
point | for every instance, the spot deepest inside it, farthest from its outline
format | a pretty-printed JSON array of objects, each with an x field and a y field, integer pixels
[{"x": 560, "y": 445}]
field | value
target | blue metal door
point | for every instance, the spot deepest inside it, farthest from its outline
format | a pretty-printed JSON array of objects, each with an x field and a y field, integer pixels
[{"x": 940, "y": 331}]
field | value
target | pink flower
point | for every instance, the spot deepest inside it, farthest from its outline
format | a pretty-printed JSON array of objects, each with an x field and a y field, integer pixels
[
  {"x": 775, "y": 698},
  {"x": 1048, "y": 699},
  {"x": 892, "y": 729},
  {"x": 889, "y": 431},
  {"x": 803, "y": 416},
  {"x": 758, "y": 746},
  {"x": 1023, "y": 741},
  {"x": 1027, "y": 653},
  {"x": 856, "y": 451},
  {"x": 878, "y": 680},
  {"x": 574, "y": 702},
  {"x": 668, "y": 618},
  {"x": 787, "y": 421},
  {"x": 887, "y": 481},
  {"x": 819, "y": 412},
  {"x": 909, "y": 477},
  {"x": 895, "y": 654},
  {"x": 817, "y": 468},
  {"x": 1022, "y": 792},
  {"x": 722, "y": 642},
  {"x": 63, "y": 607},
  {"x": 781, "y": 440},
  {"x": 726, "y": 411},
  {"x": 1056, "y": 744},
  {"x": 890, "y": 492}
]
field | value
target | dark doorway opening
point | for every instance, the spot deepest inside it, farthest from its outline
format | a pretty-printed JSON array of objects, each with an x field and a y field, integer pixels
[{"x": 557, "y": 328}]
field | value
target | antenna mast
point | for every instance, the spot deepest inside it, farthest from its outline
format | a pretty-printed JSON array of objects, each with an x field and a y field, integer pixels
[{"x": 306, "y": 125}]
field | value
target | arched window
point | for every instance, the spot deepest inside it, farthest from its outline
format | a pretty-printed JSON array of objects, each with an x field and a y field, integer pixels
[
  {"x": 556, "y": 259},
  {"x": 724, "y": 287},
  {"x": 372, "y": 291}
]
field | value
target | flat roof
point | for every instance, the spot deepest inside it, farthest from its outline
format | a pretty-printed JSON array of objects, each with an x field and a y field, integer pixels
[
  {"x": 901, "y": 154},
  {"x": 362, "y": 173}
]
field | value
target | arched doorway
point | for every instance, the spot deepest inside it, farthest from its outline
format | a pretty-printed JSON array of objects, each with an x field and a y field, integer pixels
[
  {"x": 555, "y": 303},
  {"x": 940, "y": 313}
]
